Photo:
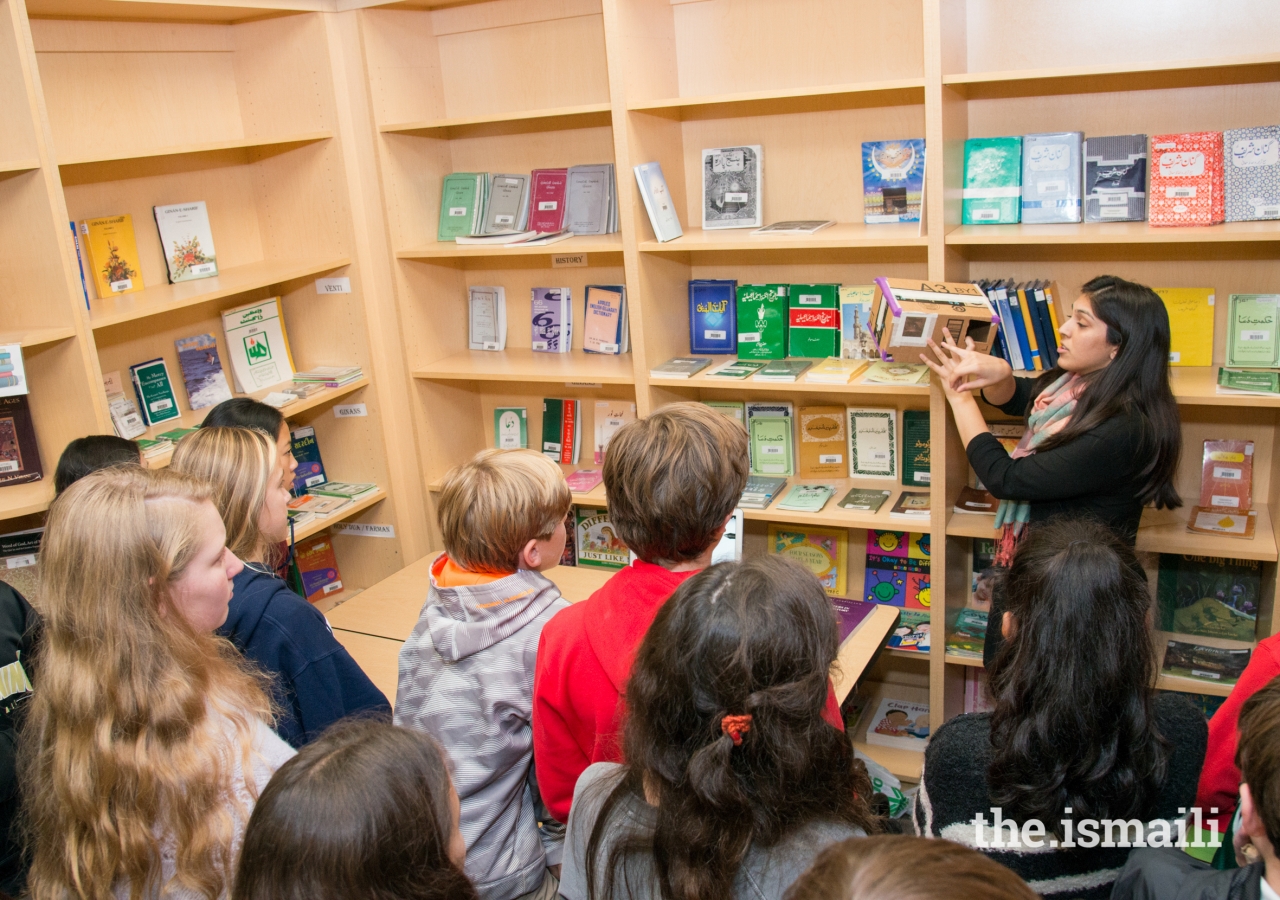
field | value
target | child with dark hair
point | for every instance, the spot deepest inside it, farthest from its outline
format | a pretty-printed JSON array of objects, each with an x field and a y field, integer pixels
[
  {"x": 1076, "y": 732},
  {"x": 91, "y": 453},
  {"x": 733, "y": 779},
  {"x": 365, "y": 811},
  {"x": 245, "y": 412}
]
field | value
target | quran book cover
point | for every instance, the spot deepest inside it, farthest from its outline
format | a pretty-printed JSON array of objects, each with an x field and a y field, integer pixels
[
  {"x": 1190, "y": 325},
  {"x": 1051, "y": 177},
  {"x": 461, "y": 200},
  {"x": 187, "y": 241},
  {"x": 1252, "y": 339},
  {"x": 1226, "y": 479},
  {"x": 1187, "y": 185},
  {"x": 824, "y": 552},
  {"x": 546, "y": 199},
  {"x": 762, "y": 321},
  {"x": 713, "y": 316},
  {"x": 892, "y": 180},
  {"x": 823, "y": 442},
  {"x": 1251, "y": 169},
  {"x": 1115, "y": 178},
  {"x": 19, "y": 454},
  {"x": 113, "y": 254},
  {"x": 258, "y": 345},
  {"x": 992, "y": 181}
]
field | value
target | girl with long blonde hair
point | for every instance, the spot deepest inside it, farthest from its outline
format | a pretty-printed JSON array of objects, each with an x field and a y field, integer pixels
[
  {"x": 314, "y": 679},
  {"x": 147, "y": 743}
]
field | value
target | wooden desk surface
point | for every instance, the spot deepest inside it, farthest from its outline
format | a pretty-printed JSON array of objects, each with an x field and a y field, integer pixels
[{"x": 379, "y": 657}]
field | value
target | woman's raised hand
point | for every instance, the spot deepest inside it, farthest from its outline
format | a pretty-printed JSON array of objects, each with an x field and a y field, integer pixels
[{"x": 964, "y": 368}]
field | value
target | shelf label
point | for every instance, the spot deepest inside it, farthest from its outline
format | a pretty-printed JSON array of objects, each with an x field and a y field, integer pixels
[
  {"x": 584, "y": 384},
  {"x": 363, "y": 529},
  {"x": 568, "y": 260},
  {"x": 333, "y": 285},
  {"x": 350, "y": 410}
]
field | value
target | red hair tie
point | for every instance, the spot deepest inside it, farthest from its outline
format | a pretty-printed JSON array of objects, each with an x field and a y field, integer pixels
[{"x": 735, "y": 727}]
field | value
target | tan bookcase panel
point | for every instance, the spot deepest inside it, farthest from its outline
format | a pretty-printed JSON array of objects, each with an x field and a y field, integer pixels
[
  {"x": 62, "y": 406},
  {"x": 20, "y": 148},
  {"x": 33, "y": 285}
]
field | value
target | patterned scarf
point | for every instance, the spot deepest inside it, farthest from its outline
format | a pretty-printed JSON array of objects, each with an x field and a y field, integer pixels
[{"x": 1050, "y": 413}]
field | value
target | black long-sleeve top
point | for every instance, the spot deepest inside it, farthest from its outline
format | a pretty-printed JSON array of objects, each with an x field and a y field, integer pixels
[{"x": 1096, "y": 474}]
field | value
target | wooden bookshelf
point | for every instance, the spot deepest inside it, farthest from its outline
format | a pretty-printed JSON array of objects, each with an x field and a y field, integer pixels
[
  {"x": 752, "y": 386},
  {"x": 608, "y": 245},
  {"x": 523, "y": 365},
  {"x": 34, "y": 337},
  {"x": 782, "y": 102},
  {"x": 589, "y": 115},
  {"x": 840, "y": 236},
  {"x": 315, "y": 526},
  {"x": 194, "y": 149}
]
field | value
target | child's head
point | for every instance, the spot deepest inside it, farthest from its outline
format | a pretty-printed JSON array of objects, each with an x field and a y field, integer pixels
[
  {"x": 672, "y": 479},
  {"x": 901, "y": 867},
  {"x": 367, "y": 810},
  {"x": 504, "y": 510},
  {"x": 243, "y": 471},
  {"x": 1258, "y": 758},
  {"x": 245, "y": 412},
  {"x": 91, "y": 453}
]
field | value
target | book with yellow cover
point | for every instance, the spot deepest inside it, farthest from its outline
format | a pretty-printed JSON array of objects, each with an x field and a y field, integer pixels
[
  {"x": 822, "y": 442},
  {"x": 1190, "y": 325},
  {"x": 113, "y": 254},
  {"x": 823, "y": 551}
]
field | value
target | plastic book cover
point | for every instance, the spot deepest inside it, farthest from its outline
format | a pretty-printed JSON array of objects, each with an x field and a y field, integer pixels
[
  {"x": 807, "y": 497},
  {"x": 732, "y": 187},
  {"x": 823, "y": 442},
  {"x": 317, "y": 567},
  {"x": 202, "y": 373},
  {"x": 602, "y": 320},
  {"x": 461, "y": 201},
  {"x": 306, "y": 450},
  {"x": 771, "y": 445},
  {"x": 1209, "y": 596},
  {"x": 1190, "y": 325},
  {"x": 1115, "y": 178},
  {"x": 760, "y": 491},
  {"x": 915, "y": 447},
  {"x": 658, "y": 202},
  {"x": 507, "y": 207},
  {"x": 113, "y": 254},
  {"x": 896, "y": 723},
  {"x": 1051, "y": 173},
  {"x": 258, "y": 345},
  {"x": 713, "y": 316},
  {"x": 511, "y": 428},
  {"x": 992, "y": 181},
  {"x": 1251, "y": 170},
  {"x": 1216, "y": 664},
  {"x": 187, "y": 241},
  {"x": 865, "y": 500},
  {"x": 546, "y": 199},
  {"x": 813, "y": 324},
  {"x": 1226, "y": 478},
  {"x": 19, "y": 453},
  {"x": 873, "y": 442},
  {"x": 762, "y": 321},
  {"x": 892, "y": 180},
  {"x": 597, "y": 543},
  {"x": 1252, "y": 340},
  {"x": 823, "y": 551},
  {"x": 610, "y": 416},
  {"x": 857, "y": 339},
  {"x": 1187, "y": 184},
  {"x": 912, "y": 633},
  {"x": 156, "y": 400},
  {"x": 551, "y": 318}
]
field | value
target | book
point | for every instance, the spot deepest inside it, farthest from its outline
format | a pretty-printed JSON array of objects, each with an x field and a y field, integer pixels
[
  {"x": 1251, "y": 170},
  {"x": 597, "y": 543},
  {"x": 562, "y": 430},
  {"x": 1226, "y": 475},
  {"x": 976, "y": 696},
  {"x": 896, "y": 373},
  {"x": 156, "y": 399},
  {"x": 113, "y": 254},
  {"x": 510, "y": 427},
  {"x": 813, "y": 320},
  {"x": 911, "y": 633},
  {"x": 737, "y": 368},
  {"x": 551, "y": 320},
  {"x": 858, "y": 342},
  {"x": 974, "y": 501},
  {"x": 1051, "y": 173},
  {"x": 1006, "y": 336},
  {"x": 783, "y": 370},
  {"x": 570, "y": 555},
  {"x": 1209, "y": 596},
  {"x": 1252, "y": 341},
  {"x": 807, "y": 498},
  {"x": 760, "y": 491},
  {"x": 584, "y": 480},
  {"x": 762, "y": 321},
  {"x": 80, "y": 264},
  {"x": 915, "y": 448},
  {"x": 765, "y": 408},
  {"x": 771, "y": 446},
  {"x": 873, "y": 450},
  {"x": 713, "y": 316},
  {"x": 969, "y": 637},
  {"x": 992, "y": 192},
  {"x": 1228, "y": 523},
  {"x": 325, "y": 376},
  {"x": 823, "y": 551},
  {"x": 317, "y": 567},
  {"x": 680, "y": 367},
  {"x": 603, "y": 318},
  {"x": 150, "y": 448},
  {"x": 348, "y": 490},
  {"x": 175, "y": 435},
  {"x": 507, "y": 206},
  {"x": 897, "y": 569},
  {"x": 892, "y": 180},
  {"x": 13, "y": 372},
  {"x": 306, "y": 450},
  {"x": 19, "y": 553},
  {"x": 823, "y": 442},
  {"x": 547, "y": 189},
  {"x": 258, "y": 345},
  {"x": 732, "y": 187},
  {"x": 279, "y": 399},
  {"x": 461, "y": 205},
  {"x": 850, "y": 614},
  {"x": 896, "y": 723},
  {"x": 982, "y": 560},
  {"x": 1238, "y": 381},
  {"x": 187, "y": 241},
  {"x": 835, "y": 371},
  {"x": 610, "y": 416},
  {"x": 796, "y": 226},
  {"x": 864, "y": 500},
  {"x": 729, "y": 549},
  {"x": 1115, "y": 178},
  {"x": 1026, "y": 332},
  {"x": 591, "y": 204},
  {"x": 19, "y": 452},
  {"x": 1219, "y": 664},
  {"x": 1186, "y": 179},
  {"x": 202, "y": 373},
  {"x": 911, "y": 505},
  {"x": 1190, "y": 325},
  {"x": 124, "y": 416},
  {"x": 732, "y": 409},
  {"x": 500, "y": 238},
  {"x": 658, "y": 202},
  {"x": 486, "y": 318}
]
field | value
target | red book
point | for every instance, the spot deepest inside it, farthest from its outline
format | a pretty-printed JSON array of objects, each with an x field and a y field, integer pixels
[
  {"x": 546, "y": 204},
  {"x": 814, "y": 318},
  {"x": 1187, "y": 186},
  {"x": 1226, "y": 480},
  {"x": 317, "y": 567},
  {"x": 19, "y": 455},
  {"x": 568, "y": 424}
]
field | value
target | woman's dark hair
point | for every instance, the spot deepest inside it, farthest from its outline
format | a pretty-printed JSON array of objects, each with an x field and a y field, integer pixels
[
  {"x": 91, "y": 453},
  {"x": 1136, "y": 383},
  {"x": 361, "y": 812},
  {"x": 245, "y": 412},
  {"x": 754, "y": 638},
  {"x": 1072, "y": 724}
]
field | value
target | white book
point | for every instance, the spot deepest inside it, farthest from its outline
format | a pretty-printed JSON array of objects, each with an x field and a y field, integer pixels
[
  {"x": 124, "y": 416},
  {"x": 732, "y": 187},
  {"x": 897, "y": 723},
  {"x": 187, "y": 241},
  {"x": 507, "y": 207},
  {"x": 486, "y": 318},
  {"x": 501, "y": 238},
  {"x": 589, "y": 199},
  {"x": 258, "y": 346},
  {"x": 873, "y": 438},
  {"x": 658, "y": 202},
  {"x": 610, "y": 416}
]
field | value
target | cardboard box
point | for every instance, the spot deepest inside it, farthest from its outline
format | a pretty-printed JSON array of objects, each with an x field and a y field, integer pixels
[{"x": 908, "y": 313}]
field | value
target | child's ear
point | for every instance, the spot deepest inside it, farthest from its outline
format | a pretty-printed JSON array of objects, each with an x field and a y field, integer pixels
[{"x": 530, "y": 557}]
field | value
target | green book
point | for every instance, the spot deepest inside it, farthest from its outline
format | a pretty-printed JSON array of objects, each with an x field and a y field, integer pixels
[
  {"x": 807, "y": 497},
  {"x": 771, "y": 446},
  {"x": 739, "y": 368},
  {"x": 915, "y": 447},
  {"x": 762, "y": 321},
  {"x": 459, "y": 204},
  {"x": 734, "y": 409},
  {"x": 1251, "y": 331},
  {"x": 552, "y": 428},
  {"x": 511, "y": 428},
  {"x": 813, "y": 327},
  {"x": 146, "y": 445},
  {"x": 992, "y": 181},
  {"x": 1209, "y": 596},
  {"x": 864, "y": 500},
  {"x": 783, "y": 370},
  {"x": 345, "y": 489},
  {"x": 175, "y": 435},
  {"x": 156, "y": 399},
  {"x": 1255, "y": 382}
]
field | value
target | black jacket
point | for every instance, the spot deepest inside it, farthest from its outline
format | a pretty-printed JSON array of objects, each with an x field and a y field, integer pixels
[
  {"x": 1170, "y": 874},
  {"x": 19, "y": 631}
]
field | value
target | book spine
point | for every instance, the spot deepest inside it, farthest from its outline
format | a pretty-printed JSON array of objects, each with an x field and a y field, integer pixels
[
  {"x": 1009, "y": 327},
  {"x": 1049, "y": 344},
  {"x": 568, "y": 422},
  {"x": 1038, "y": 324},
  {"x": 1029, "y": 328},
  {"x": 75, "y": 239}
]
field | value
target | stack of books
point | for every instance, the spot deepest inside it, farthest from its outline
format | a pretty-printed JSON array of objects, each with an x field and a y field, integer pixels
[
  {"x": 322, "y": 501},
  {"x": 151, "y": 449},
  {"x": 327, "y": 376}
]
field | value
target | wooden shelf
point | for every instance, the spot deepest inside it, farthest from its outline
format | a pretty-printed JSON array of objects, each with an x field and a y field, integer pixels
[
  {"x": 587, "y": 243},
  {"x": 18, "y": 166},
  {"x": 1198, "y": 386},
  {"x": 957, "y": 660},
  {"x": 1111, "y": 233},
  {"x": 751, "y": 386},
  {"x": 906, "y": 764},
  {"x": 840, "y": 236},
  {"x": 207, "y": 147},
  {"x": 315, "y": 526},
  {"x": 145, "y": 10},
  {"x": 900, "y": 92},
  {"x": 591, "y": 115},
  {"x": 524, "y": 365},
  {"x": 25, "y": 499},
  {"x": 34, "y": 337},
  {"x": 1166, "y": 682},
  {"x": 165, "y": 298}
]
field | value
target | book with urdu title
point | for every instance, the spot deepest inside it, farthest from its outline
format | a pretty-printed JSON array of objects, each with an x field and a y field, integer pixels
[{"x": 1190, "y": 325}]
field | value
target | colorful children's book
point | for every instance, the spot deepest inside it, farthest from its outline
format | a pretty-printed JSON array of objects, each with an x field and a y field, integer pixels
[
  {"x": 202, "y": 373},
  {"x": 13, "y": 372},
  {"x": 897, "y": 568},
  {"x": 610, "y": 416},
  {"x": 1051, "y": 177},
  {"x": 1252, "y": 339},
  {"x": 850, "y": 613},
  {"x": 113, "y": 254},
  {"x": 992, "y": 181},
  {"x": 1252, "y": 173},
  {"x": 807, "y": 497},
  {"x": 1187, "y": 186},
  {"x": 865, "y": 500},
  {"x": 1226, "y": 477},
  {"x": 156, "y": 399},
  {"x": 969, "y": 637},
  {"x": 19, "y": 453},
  {"x": 546, "y": 199},
  {"x": 858, "y": 340},
  {"x": 1115, "y": 178},
  {"x": 813, "y": 324},
  {"x": 602, "y": 323},
  {"x": 732, "y": 187},
  {"x": 762, "y": 321},
  {"x": 771, "y": 445},
  {"x": 306, "y": 450},
  {"x": 915, "y": 448},
  {"x": 584, "y": 480},
  {"x": 892, "y": 180},
  {"x": 258, "y": 345},
  {"x": 1209, "y": 596},
  {"x": 912, "y": 633},
  {"x": 896, "y": 723},
  {"x": 187, "y": 241},
  {"x": 317, "y": 567},
  {"x": 823, "y": 442},
  {"x": 551, "y": 320},
  {"x": 1190, "y": 325},
  {"x": 713, "y": 316},
  {"x": 824, "y": 552},
  {"x": 597, "y": 543},
  {"x": 1217, "y": 664},
  {"x": 511, "y": 427},
  {"x": 873, "y": 439}
]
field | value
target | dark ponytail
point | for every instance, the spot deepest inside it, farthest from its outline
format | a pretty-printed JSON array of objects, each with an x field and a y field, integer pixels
[{"x": 741, "y": 639}]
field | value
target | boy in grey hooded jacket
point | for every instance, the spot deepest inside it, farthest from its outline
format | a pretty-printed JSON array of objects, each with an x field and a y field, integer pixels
[{"x": 466, "y": 671}]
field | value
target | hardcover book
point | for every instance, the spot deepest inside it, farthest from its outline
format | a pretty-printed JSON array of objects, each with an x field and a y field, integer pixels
[
  {"x": 732, "y": 187},
  {"x": 187, "y": 241},
  {"x": 807, "y": 498},
  {"x": 486, "y": 318},
  {"x": 762, "y": 321},
  {"x": 1237, "y": 380},
  {"x": 1190, "y": 325},
  {"x": 156, "y": 399},
  {"x": 202, "y": 373},
  {"x": 561, "y": 430},
  {"x": 864, "y": 500},
  {"x": 858, "y": 340},
  {"x": 1051, "y": 177},
  {"x": 760, "y": 491},
  {"x": 1209, "y": 596},
  {"x": 507, "y": 207},
  {"x": 547, "y": 189},
  {"x": 1187, "y": 185},
  {"x": 915, "y": 448},
  {"x": 992, "y": 181},
  {"x": 851, "y": 614},
  {"x": 732, "y": 409},
  {"x": 317, "y": 568},
  {"x": 771, "y": 448},
  {"x": 113, "y": 254},
  {"x": 813, "y": 325},
  {"x": 823, "y": 442},
  {"x": 1115, "y": 178},
  {"x": 511, "y": 428},
  {"x": 824, "y": 552},
  {"x": 897, "y": 569},
  {"x": 911, "y": 505},
  {"x": 258, "y": 345},
  {"x": 892, "y": 180},
  {"x": 713, "y": 316},
  {"x": 19, "y": 453},
  {"x": 658, "y": 203},
  {"x": 975, "y": 501},
  {"x": 1252, "y": 340},
  {"x": 1226, "y": 479},
  {"x": 603, "y": 320},
  {"x": 461, "y": 205},
  {"x": 896, "y": 723},
  {"x": 598, "y": 544},
  {"x": 610, "y": 416},
  {"x": 873, "y": 451},
  {"x": 551, "y": 320},
  {"x": 306, "y": 450},
  {"x": 1217, "y": 664},
  {"x": 1252, "y": 173}
]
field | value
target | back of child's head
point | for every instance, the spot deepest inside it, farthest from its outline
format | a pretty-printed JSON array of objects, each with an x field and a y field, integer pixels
[
  {"x": 245, "y": 412},
  {"x": 1258, "y": 755},
  {"x": 363, "y": 811},
  {"x": 902, "y": 867},
  {"x": 673, "y": 478},
  {"x": 492, "y": 506},
  {"x": 238, "y": 464},
  {"x": 91, "y": 453}
]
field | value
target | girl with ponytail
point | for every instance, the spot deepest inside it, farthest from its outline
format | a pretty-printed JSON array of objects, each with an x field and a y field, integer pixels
[{"x": 733, "y": 780}]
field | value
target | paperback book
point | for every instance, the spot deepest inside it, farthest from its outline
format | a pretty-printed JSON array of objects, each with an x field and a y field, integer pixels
[
  {"x": 511, "y": 427},
  {"x": 892, "y": 180},
  {"x": 570, "y": 555},
  {"x": 1190, "y": 325},
  {"x": 507, "y": 206},
  {"x": 1209, "y": 596},
  {"x": 19, "y": 453},
  {"x": 317, "y": 568},
  {"x": 762, "y": 321},
  {"x": 732, "y": 187},
  {"x": 911, "y": 505},
  {"x": 658, "y": 203},
  {"x": 897, "y": 569},
  {"x": 1235, "y": 381},
  {"x": 584, "y": 480},
  {"x": 610, "y": 416},
  {"x": 1252, "y": 173},
  {"x": 597, "y": 543},
  {"x": 760, "y": 491},
  {"x": 156, "y": 399},
  {"x": 680, "y": 367},
  {"x": 1226, "y": 476},
  {"x": 912, "y": 633},
  {"x": 896, "y": 723},
  {"x": 349, "y": 490},
  {"x": 713, "y": 316},
  {"x": 551, "y": 320},
  {"x": 813, "y": 323},
  {"x": 306, "y": 450},
  {"x": 873, "y": 451},
  {"x": 19, "y": 553},
  {"x": 822, "y": 551},
  {"x": 113, "y": 254},
  {"x": 896, "y": 373},
  {"x": 771, "y": 445},
  {"x": 783, "y": 370},
  {"x": 1051, "y": 177},
  {"x": 807, "y": 498},
  {"x": 915, "y": 448},
  {"x": 737, "y": 369},
  {"x": 729, "y": 549},
  {"x": 836, "y": 371},
  {"x": 591, "y": 200},
  {"x": 970, "y": 635},
  {"x": 1217, "y": 664},
  {"x": 13, "y": 373},
  {"x": 797, "y": 226},
  {"x": 187, "y": 241},
  {"x": 850, "y": 613},
  {"x": 992, "y": 181},
  {"x": 202, "y": 373},
  {"x": 975, "y": 501},
  {"x": 604, "y": 321},
  {"x": 823, "y": 442},
  {"x": 858, "y": 342},
  {"x": 1187, "y": 185},
  {"x": 562, "y": 430},
  {"x": 865, "y": 500},
  {"x": 124, "y": 416},
  {"x": 486, "y": 318},
  {"x": 1207, "y": 520},
  {"x": 547, "y": 188},
  {"x": 1252, "y": 341},
  {"x": 732, "y": 409},
  {"x": 462, "y": 199},
  {"x": 1115, "y": 178},
  {"x": 257, "y": 345}
]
